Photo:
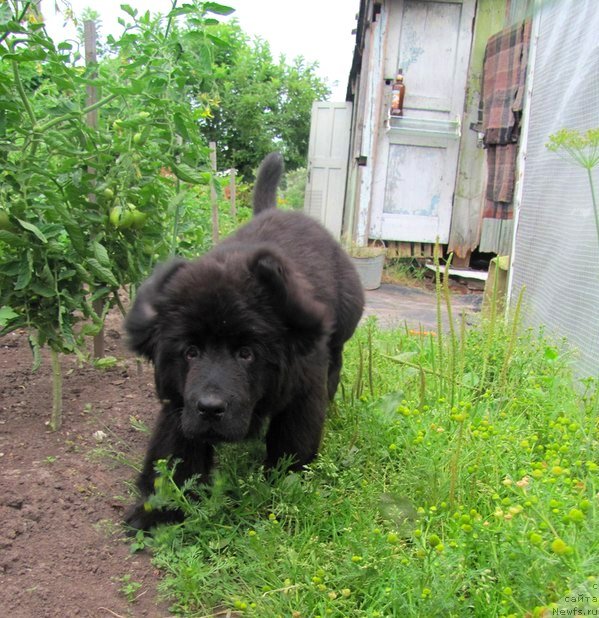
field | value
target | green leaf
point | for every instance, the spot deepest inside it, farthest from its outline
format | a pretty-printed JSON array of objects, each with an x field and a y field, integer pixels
[
  {"x": 11, "y": 239},
  {"x": 6, "y": 315},
  {"x": 129, "y": 10},
  {"x": 180, "y": 126},
  {"x": 91, "y": 330},
  {"x": 39, "y": 288},
  {"x": 186, "y": 9},
  {"x": 218, "y": 9},
  {"x": 77, "y": 238},
  {"x": 217, "y": 40},
  {"x": 83, "y": 274},
  {"x": 27, "y": 55},
  {"x": 34, "y": 229},
  {"x": 186, "y": 173},
  {"x": 105, "y": 363},
  {"x": 25, "y": 270},
  {"x": 101, "y": 272},
  {"x": 101, "y": 254}
]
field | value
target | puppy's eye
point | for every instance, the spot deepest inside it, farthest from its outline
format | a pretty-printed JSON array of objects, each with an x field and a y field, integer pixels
[
  {"x": 191, "y": 352},
  {"x": 245, "y": 353}
]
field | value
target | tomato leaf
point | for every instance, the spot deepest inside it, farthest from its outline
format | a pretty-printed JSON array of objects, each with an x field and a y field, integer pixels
[
  {"x": 6, "y": 315},
  {"x": 34, "y": 229},
  {"x": 101, "y": 272}
]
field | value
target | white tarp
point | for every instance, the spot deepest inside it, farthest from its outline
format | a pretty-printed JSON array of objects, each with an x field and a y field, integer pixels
[{"x": 556, "y": 249}]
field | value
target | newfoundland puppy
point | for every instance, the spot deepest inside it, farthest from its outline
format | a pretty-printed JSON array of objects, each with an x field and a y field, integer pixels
[{"x": 247, "y": 335}]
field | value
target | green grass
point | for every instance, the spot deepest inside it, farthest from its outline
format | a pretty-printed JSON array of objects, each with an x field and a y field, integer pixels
[
  {"x": 457, "y": 477},
  {"x": 405, "y": 271}
]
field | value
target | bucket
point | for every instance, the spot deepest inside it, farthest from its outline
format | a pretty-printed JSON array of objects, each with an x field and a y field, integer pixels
[{"x": 370, "y": 270}]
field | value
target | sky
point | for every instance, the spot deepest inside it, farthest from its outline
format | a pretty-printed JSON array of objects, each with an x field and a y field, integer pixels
[{"x": 318, "y": 30}]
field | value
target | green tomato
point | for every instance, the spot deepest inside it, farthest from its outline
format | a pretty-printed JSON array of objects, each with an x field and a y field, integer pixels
[
  {"x": 126, "y": 219},
  {"x": 108, "y": 193},
  {"x": 138, "y": 219},
  {"x": 5, "y": 223},
  {"x": 115, "y": 216},
  {"x": 138, "y": 139}
]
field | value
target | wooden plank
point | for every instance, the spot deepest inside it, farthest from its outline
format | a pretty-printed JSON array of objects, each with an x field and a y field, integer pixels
[{"x": 399, "y": 249}]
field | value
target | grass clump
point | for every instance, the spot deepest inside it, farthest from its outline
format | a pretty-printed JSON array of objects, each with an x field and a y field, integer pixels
[{"x": 461, "y": 487}]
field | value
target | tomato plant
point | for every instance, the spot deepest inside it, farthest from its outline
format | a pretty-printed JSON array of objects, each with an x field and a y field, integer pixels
[{"x": 86, "y": 210}]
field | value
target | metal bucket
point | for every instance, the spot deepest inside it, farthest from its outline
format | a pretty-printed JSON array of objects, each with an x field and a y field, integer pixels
[{"x": 370, "y": 270}]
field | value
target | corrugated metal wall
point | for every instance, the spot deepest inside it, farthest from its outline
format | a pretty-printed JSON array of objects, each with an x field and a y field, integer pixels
[{"x": 556, "y": 251}]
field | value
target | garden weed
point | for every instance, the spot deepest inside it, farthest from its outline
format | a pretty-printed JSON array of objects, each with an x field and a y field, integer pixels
[
  {"x": 129, "y": 587},
  {"x": 457, "y": 477}
]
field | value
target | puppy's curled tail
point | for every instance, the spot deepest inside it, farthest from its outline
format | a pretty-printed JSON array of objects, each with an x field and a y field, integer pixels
[{"x": 267, "y": 181}]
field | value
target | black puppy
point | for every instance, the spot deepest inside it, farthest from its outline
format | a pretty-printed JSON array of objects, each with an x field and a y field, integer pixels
[{"x": 251, "y": 332}]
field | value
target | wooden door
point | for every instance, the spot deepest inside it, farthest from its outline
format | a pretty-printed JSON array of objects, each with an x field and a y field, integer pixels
[
  {"x": 417, "y": 154},
  {"x": 327, "y": 164}
]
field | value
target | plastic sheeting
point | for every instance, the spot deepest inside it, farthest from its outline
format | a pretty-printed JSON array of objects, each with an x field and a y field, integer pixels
[{"x": 556, "y": 248}]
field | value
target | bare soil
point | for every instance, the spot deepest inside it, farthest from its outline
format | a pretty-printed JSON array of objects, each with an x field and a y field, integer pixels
[{"x": 63, "y": 551}]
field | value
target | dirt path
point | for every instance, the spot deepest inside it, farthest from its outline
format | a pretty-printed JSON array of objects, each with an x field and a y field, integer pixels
[{"x": 62, "y": 552}]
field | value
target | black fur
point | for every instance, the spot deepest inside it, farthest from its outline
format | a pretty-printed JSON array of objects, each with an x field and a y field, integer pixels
[{"x": 252, "y": 332}]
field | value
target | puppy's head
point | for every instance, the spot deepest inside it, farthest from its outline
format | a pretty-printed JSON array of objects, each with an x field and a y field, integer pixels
[{"x": 225, "y": 334}]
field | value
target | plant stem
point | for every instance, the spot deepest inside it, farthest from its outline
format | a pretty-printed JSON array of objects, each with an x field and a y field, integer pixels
[
  {"x": 432, "y": 372},
  {"x": 370, "y": 377},
  {"x": 56, "y": 418},
  {"x": 452, "y": 335},
  {"x": 170, "y": 19},
  {"x": 21, "y": 91},
  {"x": 512, "y": 339},
  {"x": 490, "y": 338},
  {"x": 593, "y": 199},
  {"x": 453, "y": 466},
  {"x": 438, "y": 293},
  {"x": 90, "y": 108}
]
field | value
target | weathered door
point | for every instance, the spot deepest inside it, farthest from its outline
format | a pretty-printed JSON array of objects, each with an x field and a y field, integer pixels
[
  {"x": 417, "y": 153},
  {"x": 327, "y": 163}
]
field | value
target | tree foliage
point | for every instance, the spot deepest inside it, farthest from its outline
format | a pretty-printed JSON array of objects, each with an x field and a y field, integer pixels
[{"x": 263, "y": 104}]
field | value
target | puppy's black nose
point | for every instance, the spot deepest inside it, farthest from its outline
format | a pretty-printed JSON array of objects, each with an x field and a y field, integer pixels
[{"x": 211, "y": 406}]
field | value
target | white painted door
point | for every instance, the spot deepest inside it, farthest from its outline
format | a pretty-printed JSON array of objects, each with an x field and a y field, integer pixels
[
  {"x": 327, "y": 163},
  {"x": 417, "y": 154}
]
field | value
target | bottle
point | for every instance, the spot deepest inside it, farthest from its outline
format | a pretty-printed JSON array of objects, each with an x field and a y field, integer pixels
[{"x": 398, "y": 93}]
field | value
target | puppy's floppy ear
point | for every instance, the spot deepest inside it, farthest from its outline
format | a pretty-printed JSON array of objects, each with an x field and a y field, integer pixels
[
  {"x": 142, "y": 320},
  {"x": 291, "y": 294}
]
